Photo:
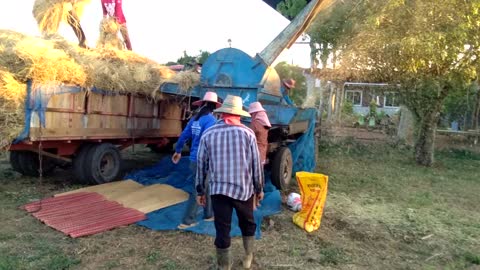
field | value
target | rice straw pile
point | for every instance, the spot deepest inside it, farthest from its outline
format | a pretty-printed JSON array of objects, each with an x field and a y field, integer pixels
[
  {"x": 118, "y": 70},
  {"x": 186, "y": 80},
  {"x": 12, "y": 98},
  {"x": 37, "y": 59},
  {"x": 50, "y": 13},
  {"x": 52, "y": 61},
  {"x": 109, "y": 38}
]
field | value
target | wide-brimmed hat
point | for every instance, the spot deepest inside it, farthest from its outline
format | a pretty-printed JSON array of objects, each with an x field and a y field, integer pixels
[
  {"x": 208, "y": 97},
  {"x": 232, "y": 105},
  {"x": 255, "y": 107},
  {"x": 289, "y": 83}
]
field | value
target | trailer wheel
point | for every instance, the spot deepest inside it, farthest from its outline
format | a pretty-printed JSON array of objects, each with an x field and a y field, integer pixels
[
  {"x": 28, "y": 163},
  {"x": 282, "y": 168},
  {"x": 103, "y": 163},
  {"x": 79, "y": 164},
  {"x": 15, "y": 161}
]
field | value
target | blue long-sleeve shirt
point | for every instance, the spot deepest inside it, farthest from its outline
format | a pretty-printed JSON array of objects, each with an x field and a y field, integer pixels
[
  {"x": 194, "y": 131},
  {"x": 286, "y": 97}
]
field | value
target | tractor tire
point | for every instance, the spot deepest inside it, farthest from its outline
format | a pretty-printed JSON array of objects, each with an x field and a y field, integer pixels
[
  {"x": 79, "y": 164},
  {"x": 282, "y": 167},
  {"x": 103, "y": 163},
  {"x": 15, "y": 161},
  {"x": 29, "y": 164}
]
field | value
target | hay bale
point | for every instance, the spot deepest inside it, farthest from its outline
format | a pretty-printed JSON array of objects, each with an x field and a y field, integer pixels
[
  {"x": 37, "y": 59},
  {"x": 109, "y": 38},
  {"x": 117, "y": 70},
  {"x": 186, "y": 80},
  {"x": 53, "y": 59},
  {"x": 50, "y": 13},
  {"x": 12, "y": 107}
]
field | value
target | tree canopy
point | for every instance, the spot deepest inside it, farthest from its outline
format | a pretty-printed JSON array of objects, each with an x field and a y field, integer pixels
[{"x": 425, "y": 50}]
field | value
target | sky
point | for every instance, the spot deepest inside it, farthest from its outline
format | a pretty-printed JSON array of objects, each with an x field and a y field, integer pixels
[{"x": 163, "y": 30}]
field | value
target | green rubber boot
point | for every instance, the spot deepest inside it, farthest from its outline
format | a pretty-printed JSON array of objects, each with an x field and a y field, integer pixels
[
  {"x": 224, "y": 260},
  {"x": 248, "y": 242}
]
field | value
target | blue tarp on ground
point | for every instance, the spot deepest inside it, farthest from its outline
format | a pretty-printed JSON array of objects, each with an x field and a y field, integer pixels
[{"x": 179, "y": 176}]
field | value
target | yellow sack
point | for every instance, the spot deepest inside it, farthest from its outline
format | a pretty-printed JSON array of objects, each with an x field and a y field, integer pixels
[{"x": 313, "y": 190}]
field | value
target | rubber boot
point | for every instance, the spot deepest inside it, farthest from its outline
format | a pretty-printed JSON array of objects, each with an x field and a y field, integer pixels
[
  {"x": 248, "y": 242},
  {"x": 224, "y": 259}
]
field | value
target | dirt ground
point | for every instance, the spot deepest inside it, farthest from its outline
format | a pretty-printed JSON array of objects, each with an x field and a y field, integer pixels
[{"x": 368, "y": 222}]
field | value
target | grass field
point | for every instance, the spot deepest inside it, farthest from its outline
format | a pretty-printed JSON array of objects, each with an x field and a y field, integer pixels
[{"x": 382, "y": 212}]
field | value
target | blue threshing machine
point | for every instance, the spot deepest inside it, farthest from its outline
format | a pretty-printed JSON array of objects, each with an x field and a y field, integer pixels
[{"x": 230, "y": 71}]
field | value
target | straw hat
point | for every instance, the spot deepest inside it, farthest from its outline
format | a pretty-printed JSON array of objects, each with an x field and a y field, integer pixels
[
  {"x": 255, "y": 107},
  {"x": 210, "y": 97},
  {"x": 232, "y": 105},
  {"x": 289, "y": 83}
]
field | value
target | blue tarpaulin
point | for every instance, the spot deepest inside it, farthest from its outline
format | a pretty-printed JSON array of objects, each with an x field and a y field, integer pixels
[{"x": 179, "y": 176}]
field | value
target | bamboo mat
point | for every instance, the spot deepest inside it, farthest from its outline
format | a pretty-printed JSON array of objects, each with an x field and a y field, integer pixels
[{"x": 133, "y": 195}]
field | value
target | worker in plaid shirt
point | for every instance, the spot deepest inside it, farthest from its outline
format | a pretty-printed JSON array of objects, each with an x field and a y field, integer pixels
[{"x": 228, "y": 151}]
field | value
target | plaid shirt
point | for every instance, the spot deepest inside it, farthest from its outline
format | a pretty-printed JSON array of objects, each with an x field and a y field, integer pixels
[{"x": 230, "y": 154}]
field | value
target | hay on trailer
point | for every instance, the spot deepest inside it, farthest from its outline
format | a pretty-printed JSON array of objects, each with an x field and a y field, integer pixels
[
  {"x": 35, "y": 58},
  {"x": 52, "y": 60},
  {"x": 12, "y": 106},
  {"x": 109, "y": 38},
  {"x": 124, "y": 71},
  {"x": 50, "y": 13},
  {"x": 117, "y": 70},
  {"x": 186, "y": 80}
]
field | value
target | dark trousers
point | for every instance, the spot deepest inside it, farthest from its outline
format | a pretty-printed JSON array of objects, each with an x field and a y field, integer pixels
[
  {"x": 222, "y": 210},
  {"x": 190, "y": 215}
]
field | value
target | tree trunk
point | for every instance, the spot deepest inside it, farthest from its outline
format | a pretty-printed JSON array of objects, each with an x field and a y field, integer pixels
[
  {"x": 331, "y": 100},
  {"x": 476, "y": 111},
  {"x": 406, "y": 125},
  {"x": 338, "y": 101},
  {"x": 321, "y": 94},
  {"x": 425, "y": 141}
]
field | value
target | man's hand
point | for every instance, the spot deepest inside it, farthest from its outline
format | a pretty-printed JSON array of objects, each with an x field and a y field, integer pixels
[
  {"x": 176, "y": 157},
  {"x": 256, "y": 200},
  {"x": 202, "y": 200}
]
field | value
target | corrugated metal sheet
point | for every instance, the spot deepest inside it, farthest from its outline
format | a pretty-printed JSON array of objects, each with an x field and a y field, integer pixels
[{"x": 83, "y": 213}]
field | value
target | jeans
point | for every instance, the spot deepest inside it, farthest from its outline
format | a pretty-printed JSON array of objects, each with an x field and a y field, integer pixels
[
  {"x": 190, "y": 215},
  {"x": 223, "y": 209}
]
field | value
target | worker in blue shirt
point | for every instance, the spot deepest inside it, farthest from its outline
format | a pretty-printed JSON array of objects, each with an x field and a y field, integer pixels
[
  {"x": 288, "y": 85},
  {"x": 194, "y": 131}
]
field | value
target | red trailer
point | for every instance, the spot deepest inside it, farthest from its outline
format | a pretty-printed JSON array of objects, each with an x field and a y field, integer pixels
[{"x": 88, "y": 129}]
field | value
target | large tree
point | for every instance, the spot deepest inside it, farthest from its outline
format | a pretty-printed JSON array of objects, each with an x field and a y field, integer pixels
[{"x": 425, "y": 49}]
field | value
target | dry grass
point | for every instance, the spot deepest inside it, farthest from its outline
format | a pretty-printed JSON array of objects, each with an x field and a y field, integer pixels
[
  {"x": 109, "y": 38},
  {"x": 187, "y": 80},
  {"x": 53, "y": 61},
  {"x": 382, "y": 212},
  {"x": 35, "y": 58},
  {"x": 12, "y": 99},
  {"x": 50, "y": 13}
]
